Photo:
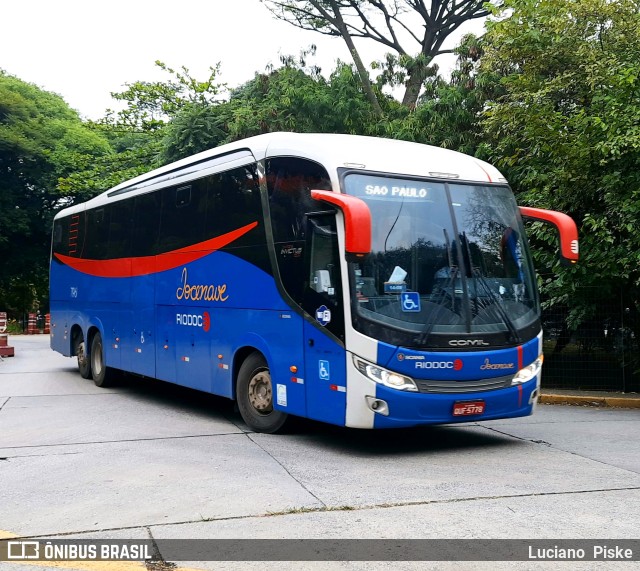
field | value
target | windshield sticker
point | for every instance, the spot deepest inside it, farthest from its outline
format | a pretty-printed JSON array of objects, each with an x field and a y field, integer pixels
[
  {"x": 323, "y": 315},
  {"x": 394, "y": 288},
  {"x": 410, "y": 301}
]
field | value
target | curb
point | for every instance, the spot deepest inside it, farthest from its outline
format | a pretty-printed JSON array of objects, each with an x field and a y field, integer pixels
[{"x": 591, "y": 400}]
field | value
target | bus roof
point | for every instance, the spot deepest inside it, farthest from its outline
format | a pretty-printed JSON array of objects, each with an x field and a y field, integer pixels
[{"x": 331, "y": 150}]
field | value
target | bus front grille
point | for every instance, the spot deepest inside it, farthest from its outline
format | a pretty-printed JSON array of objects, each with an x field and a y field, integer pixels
[{"x": 427, "y": 386}]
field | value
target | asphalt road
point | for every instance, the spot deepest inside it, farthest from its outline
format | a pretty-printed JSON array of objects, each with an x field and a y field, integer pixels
[{"x": 146, "y": 459}]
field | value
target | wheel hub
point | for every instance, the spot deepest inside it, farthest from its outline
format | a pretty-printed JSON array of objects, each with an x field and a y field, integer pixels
[{"x": 260, "y": 393}]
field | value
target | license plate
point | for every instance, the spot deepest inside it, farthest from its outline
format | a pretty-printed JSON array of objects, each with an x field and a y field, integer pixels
[{"x": 468, "y": 408}]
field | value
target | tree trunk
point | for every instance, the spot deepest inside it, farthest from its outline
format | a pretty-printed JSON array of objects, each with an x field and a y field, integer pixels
[
  {"x": 362, "y": 71},
  {"x": 413, "y": 86},
  {"x": 364, "y": 78}
]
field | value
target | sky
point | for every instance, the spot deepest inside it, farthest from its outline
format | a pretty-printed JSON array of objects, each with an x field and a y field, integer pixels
[{"x": 85, "y": 49}]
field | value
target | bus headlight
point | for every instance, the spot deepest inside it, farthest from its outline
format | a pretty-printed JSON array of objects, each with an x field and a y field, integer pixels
[
  {"x": 384, "y": 377},
  {"x": 530, "y": 371}
]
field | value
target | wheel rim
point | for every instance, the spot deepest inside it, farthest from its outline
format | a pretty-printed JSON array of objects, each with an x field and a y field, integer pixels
[
  {"x": 82, "y": 355},
  {"x": 260, "y": 392},
  {"x": 96, "y": 359}
]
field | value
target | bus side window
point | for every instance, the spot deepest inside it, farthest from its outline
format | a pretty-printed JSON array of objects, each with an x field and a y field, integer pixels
[
  {"x": 121, "y": 221},
  {"x": 323, "y": 265},
  {"x": 322, "y": 280},
  {"x": 289, "y": 184},
  {"x": 97, "y": 230},
  {"x": 144, "y": 239},
  {"x": 182, "y": 222},
  {"x": 234, "y": 202}
]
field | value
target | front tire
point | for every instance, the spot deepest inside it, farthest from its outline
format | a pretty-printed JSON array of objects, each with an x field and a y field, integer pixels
[
  {"x": 254, "y": 391},
  {"x": 102, "y": 375}
]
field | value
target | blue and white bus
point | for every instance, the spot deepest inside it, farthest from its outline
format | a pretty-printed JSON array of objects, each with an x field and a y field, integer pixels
[{"x": 358, "y": 281}]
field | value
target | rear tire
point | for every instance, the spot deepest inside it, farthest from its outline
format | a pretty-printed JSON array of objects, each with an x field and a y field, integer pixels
[
  {"x": 84, "y": 363},
  {"x": 254, "y": 391},
  {"x": 102, "y": 375}
]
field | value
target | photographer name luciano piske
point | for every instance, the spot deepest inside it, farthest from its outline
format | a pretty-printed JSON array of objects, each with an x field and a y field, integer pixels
[{"x": 16, "y": 549}]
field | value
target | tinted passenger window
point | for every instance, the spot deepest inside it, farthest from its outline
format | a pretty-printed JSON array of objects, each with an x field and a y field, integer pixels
[
  {"x": 144, "y": 238},
  {"x": 68, "y": 235},
  {"x": 234, "y": 202},
  {"x": 120, "y": 225},
  {"x": 184, "y": 210},
  {"x": 97, "y": 234},
  {"x": 289, "y": 182}
]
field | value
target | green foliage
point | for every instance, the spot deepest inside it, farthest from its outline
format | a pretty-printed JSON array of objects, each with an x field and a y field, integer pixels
[
  {"x": 198, "y": 127},
  {"x": 293, "y": 97},
  {"x": 41, "y": 140},
  {"x": 448, "y": 112},
  {"x": 404, "y": 27},
  {"x": 566, "y": 131},
  {"x": 151, "y": 105}
]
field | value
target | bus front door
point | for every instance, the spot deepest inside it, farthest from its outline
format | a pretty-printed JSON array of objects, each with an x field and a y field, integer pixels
[{"x": 323, "y": 334}]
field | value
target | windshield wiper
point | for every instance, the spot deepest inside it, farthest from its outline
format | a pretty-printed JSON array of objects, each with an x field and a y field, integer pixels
[
  {"x": 454, "y": 270},
  {"x": 496, "y": 305},
  {"x": 440, "y": 302}
]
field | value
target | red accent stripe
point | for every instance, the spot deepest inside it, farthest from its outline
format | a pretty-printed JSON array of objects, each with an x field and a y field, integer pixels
[
  {"x": 520, "y": 357},
  {"x": 519, "y": 395},
  {"x": 145, "y": 265},
  {"x": 485, "y": 172}
]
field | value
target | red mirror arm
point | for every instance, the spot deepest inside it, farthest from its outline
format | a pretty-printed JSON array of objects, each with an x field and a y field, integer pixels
[
  {"x": 357, "y": 217},
  {"x": 569, "y": 250}
]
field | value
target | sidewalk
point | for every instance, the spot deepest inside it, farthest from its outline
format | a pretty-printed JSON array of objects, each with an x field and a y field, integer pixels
[{"x": 590, "y": 398}]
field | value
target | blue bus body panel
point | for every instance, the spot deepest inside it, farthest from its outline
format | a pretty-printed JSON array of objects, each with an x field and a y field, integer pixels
[
  {"x": 185, "y": 325},
  {"x": 326, "y": 377},
  {"x": 458, "y": 365},
  {"x": 411, "y": 409}
]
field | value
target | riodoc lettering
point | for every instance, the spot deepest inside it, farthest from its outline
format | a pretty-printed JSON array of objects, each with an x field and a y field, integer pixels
[
  {"x": 455, "y": 365},
  {"x": 194, "y": 320},
  {"x": 186, "y": 319},
  {"x": 206, "y": 292}
]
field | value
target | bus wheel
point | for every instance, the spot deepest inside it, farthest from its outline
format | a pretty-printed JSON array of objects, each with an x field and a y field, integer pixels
[
  {"x": 255, "y": 396},
  {"x": 102, "y": 375},
  {"x": 84, "y": 364}
]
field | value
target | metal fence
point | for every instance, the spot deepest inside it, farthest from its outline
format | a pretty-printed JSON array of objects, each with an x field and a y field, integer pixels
[{"x": 602, "y": 353}]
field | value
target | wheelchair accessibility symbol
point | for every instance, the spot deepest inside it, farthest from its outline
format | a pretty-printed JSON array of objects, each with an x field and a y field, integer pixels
[
  {"x": 410, "y": 301},
  {"x": 323, "y": 370}
]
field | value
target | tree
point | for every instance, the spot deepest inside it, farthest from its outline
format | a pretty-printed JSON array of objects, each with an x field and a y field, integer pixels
[
  {"x": 449, "y": 111},
  {"x": 291, "y": 99},
  {"x": 151, "y": 105},
  {"x": 566, "y": 131},
  {"x": 394, "y": 24},
  {"x": 41, "y": 140}
]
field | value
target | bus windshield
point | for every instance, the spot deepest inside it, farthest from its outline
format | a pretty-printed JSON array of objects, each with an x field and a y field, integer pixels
[{"x": 449, "y": 260}]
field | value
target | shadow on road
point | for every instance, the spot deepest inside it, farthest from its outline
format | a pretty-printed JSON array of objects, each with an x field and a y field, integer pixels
[{"x": 393, "y": 442}]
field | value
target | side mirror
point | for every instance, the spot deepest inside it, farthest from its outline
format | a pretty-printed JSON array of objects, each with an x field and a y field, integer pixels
[
  {"x": 357, "y": 217},
  {"x": 569, "y": 250}
]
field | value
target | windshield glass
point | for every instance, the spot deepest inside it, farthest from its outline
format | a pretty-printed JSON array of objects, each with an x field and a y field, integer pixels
[{"x": 448, "y": 259}]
